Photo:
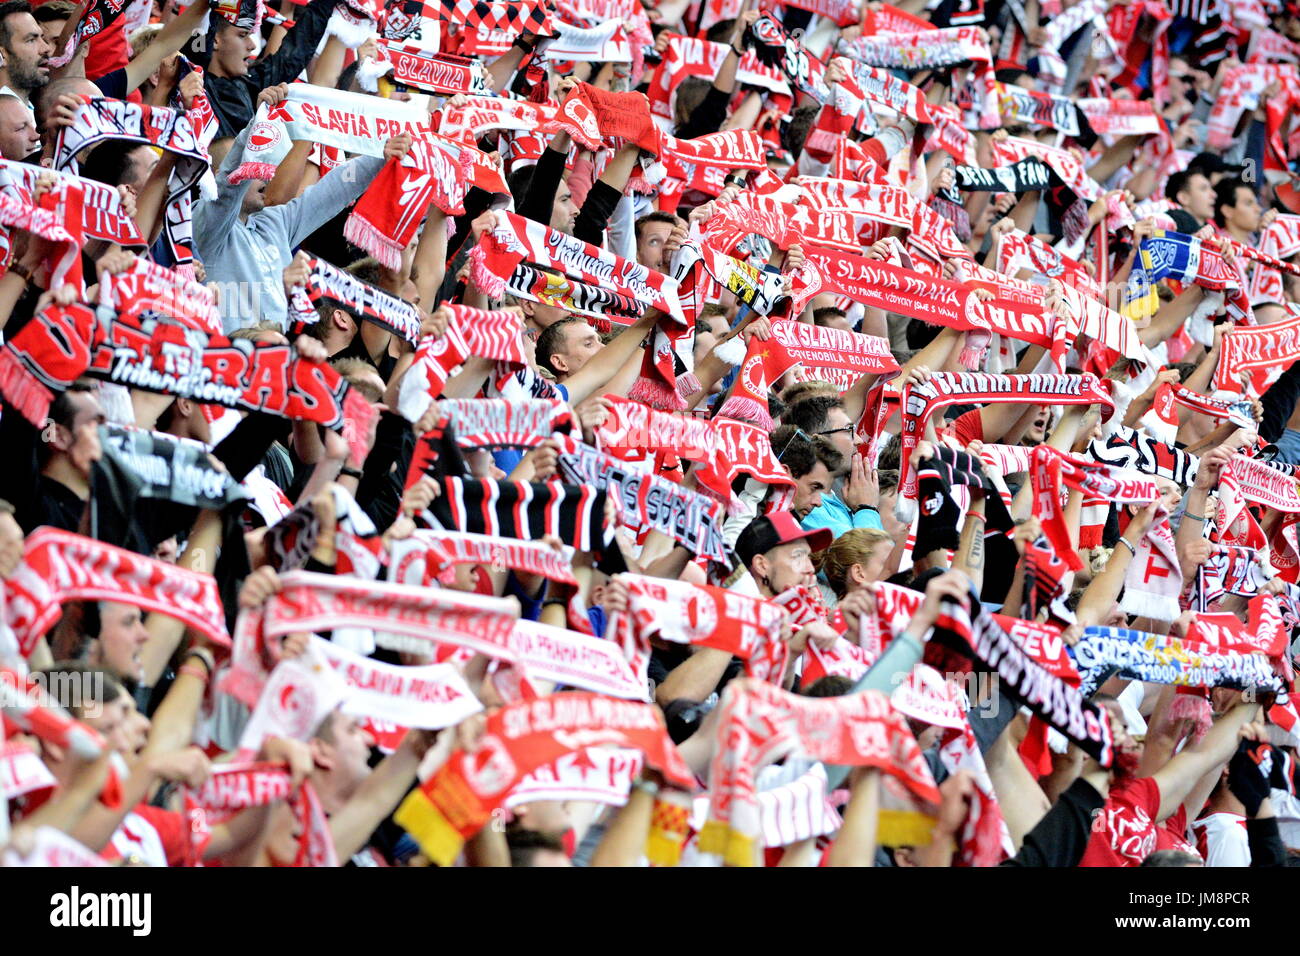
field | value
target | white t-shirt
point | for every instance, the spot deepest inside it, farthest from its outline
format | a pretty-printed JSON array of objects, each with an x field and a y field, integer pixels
[{"x": 1222, "y": 840}]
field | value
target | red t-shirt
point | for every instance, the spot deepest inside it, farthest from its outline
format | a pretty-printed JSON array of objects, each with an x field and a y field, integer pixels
[
  {"x": 1125, "y": 832},
  {"x": 159, "y": 837},
  {"x": 968, "y": 427}
]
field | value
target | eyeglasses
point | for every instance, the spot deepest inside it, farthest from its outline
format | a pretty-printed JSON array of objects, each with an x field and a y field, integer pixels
[
  {"x": 836, "y": 431},
  {"x": 798, "y": 433}
]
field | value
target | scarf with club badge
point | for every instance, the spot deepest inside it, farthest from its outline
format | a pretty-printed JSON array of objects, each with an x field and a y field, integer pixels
[
  {"x": 703, "y": 616},
  {"x": 760, "y": 723},
  {"x": 459, "y": 799}
]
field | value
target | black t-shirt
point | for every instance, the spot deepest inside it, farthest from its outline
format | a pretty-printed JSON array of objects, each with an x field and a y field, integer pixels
[{"x": 113, "y": 85}]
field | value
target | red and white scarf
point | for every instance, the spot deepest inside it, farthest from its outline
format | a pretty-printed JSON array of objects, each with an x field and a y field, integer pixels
[
  {"x": 760, "y": 723},
  {"x": 1050, "y": 467},
  {"x": 945, "y": 388},
  {"x": 27, "y": 708},
  {"x": 741, "y": 448},
  {"x": 147, "y": 287},
  {"x": 1154, "y": 580},
  {"x": 797, "y": 343},
  {"x": 567, "y": 658},
  {"x": 689, "y": 56},
  {"x": 1126, "y": 448},
  {"x": 1261, "y": 484},
  {"x": 404, "y": 618},
  {"x": 515, "y": 239},
  {"x": 101, "y": 205},
  {"x": 498, "y": 423},
  {"x": 1256, "y": 349},
  {"x": 59, "y": 566},
  {"x": 429, "y": 557},
  {"x": 459, "y": 799},
  {"x": 58, "y": 221},
  {"x": 471, "y": 333},
  {"x": 1018, "y": 250},
  {"x": 683, "y": 613},
  {"x": 1064, "y": 163},
  {"x": 433, "y": 72},
  {"x": 239, "y": 786}
]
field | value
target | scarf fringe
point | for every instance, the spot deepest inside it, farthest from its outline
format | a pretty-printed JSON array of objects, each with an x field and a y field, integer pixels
[
  {"x": 687, "y": 385},
  {"x": 491, "y": 284},
  {"x": 1195, "y": 708},
  {"x": 364, "y": 235},
  {"x": 746, "y": 410},
  {"x": 656, "y": 394},
  {"x": 350, "y": 33},
  {"x": 22, "y": 391},
  {"x": 245, "y": 172},
  {"x": 735, "y": 848},
  {"x": 972, "y": 357}
]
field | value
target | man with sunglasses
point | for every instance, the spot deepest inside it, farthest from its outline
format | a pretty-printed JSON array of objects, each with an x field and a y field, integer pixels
[{"x": 853, "y": 501}]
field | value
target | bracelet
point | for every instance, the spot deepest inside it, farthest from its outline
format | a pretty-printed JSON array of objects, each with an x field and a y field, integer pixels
[
  {"x": 646, "y": 786},
  {"x": 1188, "y": 514},
  {"x": 1125, "y": 541},
  {"x": 350, "y": 472},
  {"x": 194, "y": 672},
  {"x": 21, "y": 270},
  {"x": 203, "y": 657},
  {"x": 866, "y": 508},
  {"x": 740, "y": 52},
  {"x": 976, "y": 514}
]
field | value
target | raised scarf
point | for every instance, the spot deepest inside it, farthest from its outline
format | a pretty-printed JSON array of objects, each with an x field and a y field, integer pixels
[
  {"x": 961, "y": 643},
  {"x": 683, "y": 613},
  {"x": 434, "y": 72},
  {"x": 569, "y": 659},
  {"x": 798, "y": 343},
  {"x": 1030, "y": 174},
  {"x": 1256, "y": 349},
  {"x": 98, "y": 120},
  {"x": 148, "y": 290},
  {"x": 631, "y": 429},
  {"x": 1064, "y": 163},
  {"x": 577, "y": 298},
  {"x": 238, "y": 786},
  {"x": 741, "y": 448},
  {"x": 1018, "y": 250},
  {"x": 924, "y": 49},
  {"x": 1154, "y": 580},
  {"x": 647, "y": 502},
  {"x": 334, "y": 285},
  {"x": 498, "y": 423},
  {"x": 1018, "y": 105},
  {"x": 691, "y": 56},
  {"x": 58, "y": 221},
  {"x": 167, "y": 468},
  {"x": 945, "y": 388},
  {"x": 1261, "y": 483},
  {"x": 161, "y": 355},
  {"x": 470, "y": 333},
  {"x": 1049, "y": 467},
  {"x": 760, "y": 723},
  {"x": 1123, "y": 447},
  {"x": 515, "y": 239},
  {"x": 403, "y": 618},
  {"x": 26, "y": 707},
  {"x": 429, "y": 557},
  {"x": 1230, "y": 570},
  {"x": 1186, "y": 259},
  {"x": 1164, "y": 659},
  {"x": 459, "y": 799},
  {"x": 523, "y": 510},
  {"x": 101, "y": 204},
  {"x": 59, "y": 567},
  {"x": 290, "y": 541},
  {"x": 1044, "y": 576},
  {"x": 772, "y": 45}
]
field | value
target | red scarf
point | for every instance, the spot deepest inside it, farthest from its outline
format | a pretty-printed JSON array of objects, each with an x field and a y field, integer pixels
[
  {"x": 945, "y": 388},
  {"x": 471, "y": 332},
  {"x": 498, "y": 423},
  {"x": 794, "y": 343},
  {"x": 459, "y": 799},
  {"x": 1256, "y": 349},
  {"x": 332, "y": 283},
  {"x": 760, "y": 723},
  {"x": 684, "y": 613},
  {"x": 59, "y": 566},
  {"x": 163, "y": 356},
  {"x": 429, "y": 557}
]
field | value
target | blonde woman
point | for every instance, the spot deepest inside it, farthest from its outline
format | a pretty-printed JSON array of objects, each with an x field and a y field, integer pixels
[{"x": 855, "y": 560}]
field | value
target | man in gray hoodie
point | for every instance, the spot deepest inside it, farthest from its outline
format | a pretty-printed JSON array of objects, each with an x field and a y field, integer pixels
[{"x": 246, "y": 246}]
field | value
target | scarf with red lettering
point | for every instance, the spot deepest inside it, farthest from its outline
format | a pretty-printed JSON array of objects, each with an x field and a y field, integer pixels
[
  {"x": 471, "y": 332},
  {"x": 683, "y": 613},
  {"x": 59, "y": 566},
  {"x": 647, "y": 502},
  {"x": 174, "y": 355},
  {"x": 429, "y": 557},
  {"x": 1278, "y": 243},
  {"x": 148, "y": 290},
  {"x": 1239, "y": 86},
  {"x": 576, "y": 298},
  {"x": 631, "y": 429},
  {"x": 238, "y": 786},
  {"x": 1154, "y": 580},
  {"x": 965, "y": 641},
  {"x": 1049, "y": 467},
  {"x": 331, "y": 283},
  {"x": 459, "y": 799},
  {"x": 433, "y": 72},
  {"x": 1239, "y": 413},
  {"x": 526, "y": 511},
  {"x": 515, "y": 239},
  {"x": 760, "y": 723},
  {"x": 498, "y": 423},
  {"x": 919, "y": 402},
  {"x": 1018, "y": 250},
  {"x": 1266, "y": 484},
  {"x": 741, "y": 448},
  {"x": 690, "y": 56},
  {"x": 1256, "y": 349},
  {"x": 403, "y": 618},
  {"x": 172, "y": 131},
  {"x": 797, "y": 343}
]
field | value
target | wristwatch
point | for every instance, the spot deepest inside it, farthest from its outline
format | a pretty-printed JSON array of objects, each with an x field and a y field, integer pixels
[
  {"x": 866, "y": 508},
  {"x": 350, "y": 472}
]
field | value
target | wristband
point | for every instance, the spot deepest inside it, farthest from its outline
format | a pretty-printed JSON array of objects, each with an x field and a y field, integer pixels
[
  {"x": 976, "y": 514},
  {"x": 350, "y": 472},
  {"x": 866, "y": 508},
  {"x": 1132, "y": 549},
  {"x": 203, "y": 657},
  {"x": 195, "y": 672},
  {"x": 1188, "y": 514},
  {"x": 646, "y": 786}
]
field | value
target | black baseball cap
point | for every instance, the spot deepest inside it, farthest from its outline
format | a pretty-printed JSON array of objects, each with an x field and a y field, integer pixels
[
  {"x": 772, "y": 530},
  {"x": 1212, "y": 163}
]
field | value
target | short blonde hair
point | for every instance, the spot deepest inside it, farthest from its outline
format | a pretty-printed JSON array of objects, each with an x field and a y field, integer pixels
[{"x": 850, "y": 548}]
